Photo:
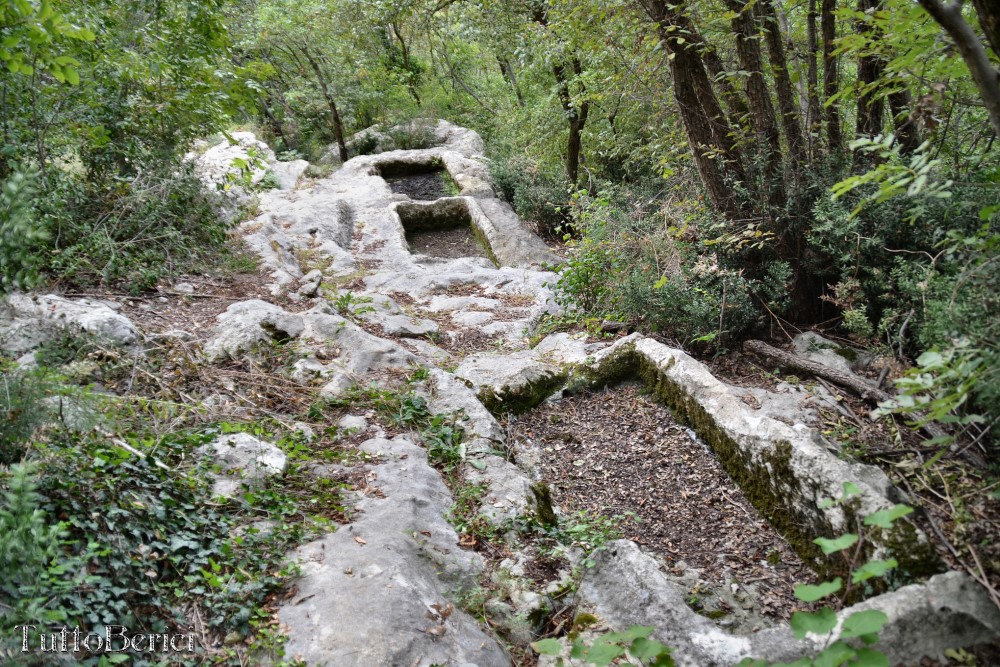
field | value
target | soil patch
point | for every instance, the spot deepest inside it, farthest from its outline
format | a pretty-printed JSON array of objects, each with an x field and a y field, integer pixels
[
  {"x": 619, "y": 453},
  {"x": 421, "y": 187},
  {"x": 448, "y": 243}
]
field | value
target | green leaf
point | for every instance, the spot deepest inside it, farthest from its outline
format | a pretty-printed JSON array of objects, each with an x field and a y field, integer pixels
[
  {"x": 819, "y": 623},
  {"x": 839, "y": 544},
  {"x": 72, "y": 76},
  {"x": 834, "y": 655},
  {"x": 547, "y": 647},
  {"x": 603, "y": 654},
  {"x": 809, "y": 593},
  {"x": 851, "y": 489},
  {"x": 644, "y": 649},
  {"x": 873, "y": 568},
  {"x": 884, "y": 518},
  {"x": 860, "y": 623},
  {"x": 866, "y": 657}
]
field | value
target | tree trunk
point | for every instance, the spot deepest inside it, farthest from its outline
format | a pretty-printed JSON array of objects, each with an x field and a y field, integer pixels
[
  {"x": 783, "y": 85},
  {"x": 737, "y": 109},
  {"x": 813, "y": 121},
  {"x": 576, "y": 116},
  {"x": 907, "y": 134},
  {"x": 831, "y": 84},
  {"x": 273, "y": 121},
  {"x": 985, "y": 75},
  {"x": 511, "y": 75},
  {"x": 762, "y": 116},
  {"x": 989, "y": 18},
  {"x": 338, "y": 126},
  {"x": 871, "y": 105},
  {"x": 708, "y": 132}
]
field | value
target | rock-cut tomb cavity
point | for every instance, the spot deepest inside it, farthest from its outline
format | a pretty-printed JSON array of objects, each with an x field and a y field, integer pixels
[
  {"x": 619, "y": 453},
  {"x": 420, "y": 181},
  {"x": 440, "y": 229}
]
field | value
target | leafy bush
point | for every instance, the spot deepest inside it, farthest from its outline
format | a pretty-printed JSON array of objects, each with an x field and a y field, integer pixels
[
  {"x": 20, "y": 231},
  {"x": 150, "y": 535},
  {"x": 22, "y": 408},
  {"x": 135, "y": 233},
  {"x": 35, "y": 568},
  {"x": 539, "y": 197},
  {"x": 625, "y": 268}
]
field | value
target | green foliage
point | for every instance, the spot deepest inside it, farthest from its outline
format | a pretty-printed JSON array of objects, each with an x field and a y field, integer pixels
[
  {"x": 862, "y": 626},
  {"x": 539, "y": 195},
  {"x": 20, "y": 231},
  {"x": 607, "y": 648},
  {"x": 22, "y": 408},
  {"x": 35, "y": 567},
  {"x": 159, "y": 224},
  {"x": 625, "y": 268}
]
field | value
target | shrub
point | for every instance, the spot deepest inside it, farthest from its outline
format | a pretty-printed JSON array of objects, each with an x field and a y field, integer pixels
[
  {"x": 22, "y": 409},
  {"x": 20, "y": 231},
  {"x": 133, "y": 233},
  {"x": 540, "y": 197}
]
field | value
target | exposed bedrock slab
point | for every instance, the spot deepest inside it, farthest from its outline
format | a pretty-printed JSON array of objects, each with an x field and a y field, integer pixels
[
  {"x": 521, "y": 380},
  {"x": 508, "y": 488},
  {"x": 626, "y": 587},
  {"x": 784, "y": 470},
  {"x": 356, "y": 353},
  {"x": 26, "y": 321},
  {"x": 367, "y": 591}
]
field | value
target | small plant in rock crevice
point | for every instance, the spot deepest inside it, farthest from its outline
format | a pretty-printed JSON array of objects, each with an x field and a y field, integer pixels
[{"x": 861, "y": 626}]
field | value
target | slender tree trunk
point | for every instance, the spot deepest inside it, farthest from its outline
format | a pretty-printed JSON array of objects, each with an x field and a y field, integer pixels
[
  {"x": 989, "y": 18},
  {"x": 411, "y": 83},
  {"x": 985, "y": 75},
  {"x": 790, "y": 122},
  {"x": 508, "y": 69},
  {"x": 737, "y": 110},
  {"x": 700, "y": 110},
  {"x": 813, "y": 121},
  {"x": 831, "y": 84},
  {"x": 338, "y": 126},
  {"x": 576, "y": 116},
  {"x": 907, "y": 133},
  {"x": 273, "y": 121},
  {"x": 762, "y": 116},
  {"x": 871, "y": 105}
]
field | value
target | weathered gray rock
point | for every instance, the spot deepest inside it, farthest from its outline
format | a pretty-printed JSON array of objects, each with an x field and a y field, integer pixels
[
  {"x": 214, "y": 163},
  {"x": 288, "y": 173},
  {"x": 28, "y": 312},
  {"x": 367, "y": 590},
  {"x": 309, "y": 285},
  {"x": 514, "y": 382},
  {"x": 243, "y": 460},
  {"x": 778, "y": 465},
  {"x": 626, "y": 587},
  {"x": 248, "y": 323}
]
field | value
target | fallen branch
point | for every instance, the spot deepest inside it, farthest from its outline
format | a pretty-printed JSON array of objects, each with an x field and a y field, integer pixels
[{"x": 866, "y": 391}]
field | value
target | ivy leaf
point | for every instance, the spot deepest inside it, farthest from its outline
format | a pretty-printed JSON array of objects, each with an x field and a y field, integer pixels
[
  {"x": 603, "y": 654},
  {"x": 867, "y": 622},
  {"x": 834, "y": 655},
  {"x": 819, "y": 623},
  {"x": 884, "y": 518},
  {"x": 809, "y": 593},
  {"x": 873, "y": 568},
  {"x": 644, "y": 649},
  {"x": 838, "y": 544},
  {"x": 547, "y": 647},
  {"x": 866, "y": 657}
]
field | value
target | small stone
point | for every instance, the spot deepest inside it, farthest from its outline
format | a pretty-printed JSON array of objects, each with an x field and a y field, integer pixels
[{"x": 184, "y": 288}]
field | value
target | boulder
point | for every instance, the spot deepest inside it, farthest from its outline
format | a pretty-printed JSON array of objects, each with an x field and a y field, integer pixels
[
  {"x": 248, "y": 323},
  {"x": 810, "y": 345},
  {"x": 242, "y": 460},
  {"x": 31, "y": 315}
]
